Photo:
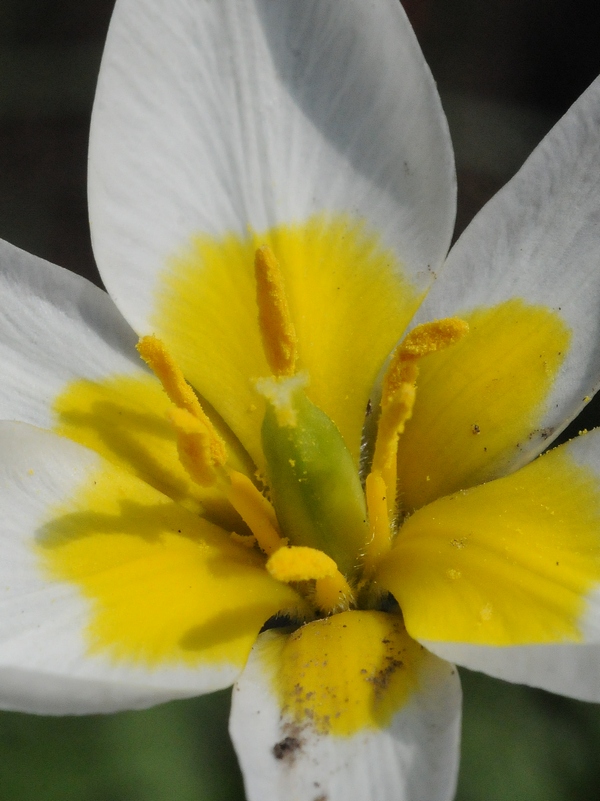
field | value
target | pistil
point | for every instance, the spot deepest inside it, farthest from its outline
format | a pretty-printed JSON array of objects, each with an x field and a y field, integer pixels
[{"x": 313, "y": 479}]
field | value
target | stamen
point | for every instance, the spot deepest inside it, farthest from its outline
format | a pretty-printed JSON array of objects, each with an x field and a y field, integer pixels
[
  {"x": 333, "y": 594},
  {"x": 394, "y": 415},
  {"x": 399, "y": 390},
  {"x": 299, "y": 563},
  {"x": 164, "y": 367},
  {"x": 200, "y": 448},
  {"x": 278, "y": 334},
  {"x": 247, "y": 540},
  {"x": 422, "y": 340},
  {"x": 256, "y": 511},
  {"x": 379, "y": 521},
  {"x": 437, "y": 335}
]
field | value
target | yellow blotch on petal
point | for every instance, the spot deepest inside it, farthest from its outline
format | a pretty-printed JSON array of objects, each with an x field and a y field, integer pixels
[
  {"x": 165, "y": 586},
  {"x": 340, "y": 280},
  {"x": 510, "y": 562},
  {"x": 345, "y": 673},
  {"x": 479, "y": 401},
  {"x": 278, "y": 334},
  {"x": 124, "y": 419}
]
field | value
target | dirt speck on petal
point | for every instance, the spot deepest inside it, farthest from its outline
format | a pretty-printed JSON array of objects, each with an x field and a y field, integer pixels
[{"x": 286, "y": 748}]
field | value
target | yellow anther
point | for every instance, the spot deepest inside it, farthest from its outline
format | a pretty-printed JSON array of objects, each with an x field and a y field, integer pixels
[
  {"x": 277, "y": 330},
  {"x": 164, "y": 367},
  {"x": 422, "y": 340},
  {"x": 398, "y": 391},
  {"x": 379, "y": 521},
  {"x": 299, "y": 563},
  {"x": 256, "y": 511},
  {"x": 430, "y": 337},
  {"x": 201, "y": 450}
]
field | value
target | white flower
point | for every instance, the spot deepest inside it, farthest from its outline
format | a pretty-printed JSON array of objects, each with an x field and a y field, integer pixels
[{"x": 271, "y": 199}]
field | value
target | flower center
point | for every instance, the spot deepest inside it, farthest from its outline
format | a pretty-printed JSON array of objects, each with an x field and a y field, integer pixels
[{"x": 319, "y": 529}]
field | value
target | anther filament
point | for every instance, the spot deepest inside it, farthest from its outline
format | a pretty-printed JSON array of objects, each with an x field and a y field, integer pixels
[{"x": 397, "y": 402}]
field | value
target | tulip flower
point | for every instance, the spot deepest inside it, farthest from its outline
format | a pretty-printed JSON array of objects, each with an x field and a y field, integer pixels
[{"x": 297, "y": 447}]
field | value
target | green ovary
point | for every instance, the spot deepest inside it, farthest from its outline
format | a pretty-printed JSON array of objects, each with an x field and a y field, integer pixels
[{"x": 315, "y": 486}]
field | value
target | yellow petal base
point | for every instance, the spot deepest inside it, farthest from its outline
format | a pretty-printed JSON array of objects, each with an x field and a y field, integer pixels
[
  {"x": 125, "y": 420},
  {"x": 165, "y": 586},
  {"x": 478, "y": 401},
  {"x": 339, "y": 280},
  {"x": 506, "y": 563},
  {"x": 345, "y": 673}
]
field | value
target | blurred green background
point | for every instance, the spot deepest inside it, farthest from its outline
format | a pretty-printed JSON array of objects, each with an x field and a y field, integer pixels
[{"x": 507, "y": 70}]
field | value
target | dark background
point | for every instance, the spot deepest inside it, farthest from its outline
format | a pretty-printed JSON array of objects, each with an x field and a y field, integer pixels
[{"x": 507, "y": 70}]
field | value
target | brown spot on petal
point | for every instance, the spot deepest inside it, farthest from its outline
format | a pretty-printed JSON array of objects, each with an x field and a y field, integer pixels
[{"x": 286, "y": 748}]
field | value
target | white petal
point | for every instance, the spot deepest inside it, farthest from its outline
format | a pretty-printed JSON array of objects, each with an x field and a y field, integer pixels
[
  {"x": 414, "y": 759},
  {"x": 49, "y": 664},
  {"x": 69, "y": 363},
  {"x": 55, "y": 327},
  {"x": 538, "y": 239},
  {"x": 571, "y": 669},
  {"x": 214, "y": 116}
]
